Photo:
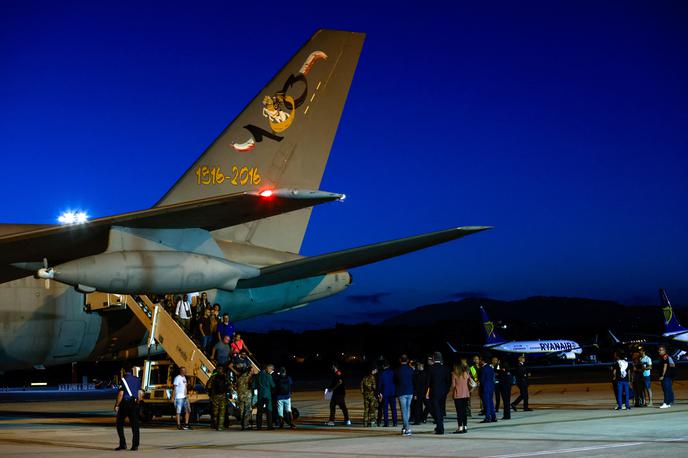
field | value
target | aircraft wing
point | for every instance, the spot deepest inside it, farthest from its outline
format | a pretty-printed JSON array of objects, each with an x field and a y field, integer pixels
[
  {"x": 466, "y": 349},
  {"x": 62, "y": 243},
  {"x": 637, "y": 341},
  {"x": 353, "y": 257},
  {"x": 641, "y": 340}
]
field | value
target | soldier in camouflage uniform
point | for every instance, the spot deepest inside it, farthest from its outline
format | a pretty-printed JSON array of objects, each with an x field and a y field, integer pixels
[
  {"x": 370, "y": 401},
  {"x": 245, "y": 394},
  {"x": 218, "y": 385}
]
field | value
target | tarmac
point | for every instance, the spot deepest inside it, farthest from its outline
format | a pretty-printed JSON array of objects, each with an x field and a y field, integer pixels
[{"x": 568, "y": 420}]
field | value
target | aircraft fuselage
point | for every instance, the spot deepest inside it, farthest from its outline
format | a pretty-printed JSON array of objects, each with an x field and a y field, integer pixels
[
  {"x": 45, "y": 327},
  {"x": 679, "y": 336},
  {"x": 538, "y": 347}
]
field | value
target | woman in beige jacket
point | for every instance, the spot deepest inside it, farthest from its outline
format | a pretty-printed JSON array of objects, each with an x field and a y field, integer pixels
[{"x": 461, "y": 392}]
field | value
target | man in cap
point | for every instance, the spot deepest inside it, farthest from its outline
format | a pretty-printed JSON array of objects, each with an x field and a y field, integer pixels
[{"x": 521, "y": 374}]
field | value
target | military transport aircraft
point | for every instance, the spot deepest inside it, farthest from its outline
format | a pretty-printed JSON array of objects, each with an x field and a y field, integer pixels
[{"x": 231, "y": 225}]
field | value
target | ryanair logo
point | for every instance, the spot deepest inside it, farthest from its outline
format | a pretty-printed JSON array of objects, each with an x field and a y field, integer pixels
[
  {"x": 489, "y": 328},
  {"x": 556, "y": 346},
  {"x": 668, "y": 314}
]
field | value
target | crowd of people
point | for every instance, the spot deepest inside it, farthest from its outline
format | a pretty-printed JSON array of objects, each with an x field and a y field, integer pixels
[
  {"x": 631, "y": 381},
  {"x": 269, "y": 391},
  {"x": 421, "y": 389},
  {"x": 212, "y": 330},
  {"x": 216, "y": 336}
]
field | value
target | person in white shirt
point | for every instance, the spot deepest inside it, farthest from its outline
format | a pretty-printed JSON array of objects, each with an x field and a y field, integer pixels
[
  {"x": 181, "y": 399},
  {"x": 646, "y": 361},
  {"x": 183, "y": 313}
]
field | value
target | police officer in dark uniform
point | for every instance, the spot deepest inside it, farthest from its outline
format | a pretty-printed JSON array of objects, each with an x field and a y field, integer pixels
[
  {"x": 127, "y": 406},
  {"x": 521, "y": 374},
  {"x": 505, "y": 381}
]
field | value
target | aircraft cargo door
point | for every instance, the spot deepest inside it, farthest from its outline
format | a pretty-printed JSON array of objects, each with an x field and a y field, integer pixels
[{"x": 69, "y": 339}]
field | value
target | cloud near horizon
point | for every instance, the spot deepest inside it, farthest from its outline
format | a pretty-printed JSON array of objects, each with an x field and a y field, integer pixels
[
  {"x": 374, "y": 298},
  {"x": 467, "y": 294}
]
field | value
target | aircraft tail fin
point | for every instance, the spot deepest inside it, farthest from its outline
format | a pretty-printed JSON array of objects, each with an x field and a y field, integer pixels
[
  {"x": 614, "y": 338},
  {"x": 671, "y": 323},
  {"x": 282, "y": 139},
  {"x": 491, "y": 335}
]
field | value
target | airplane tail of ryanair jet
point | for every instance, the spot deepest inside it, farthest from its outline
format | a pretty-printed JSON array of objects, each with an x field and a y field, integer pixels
[
  {"x": 493, "y": 338},
  {"x": 281, "y": 140},
  {"x": 670, "y": 321}
]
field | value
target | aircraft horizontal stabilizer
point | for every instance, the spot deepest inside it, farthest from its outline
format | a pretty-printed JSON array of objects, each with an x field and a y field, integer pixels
[{"x": 353, "y": 257}]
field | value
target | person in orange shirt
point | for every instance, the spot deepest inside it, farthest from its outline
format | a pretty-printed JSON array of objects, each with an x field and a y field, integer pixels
[{"x": 239, "y": 345}]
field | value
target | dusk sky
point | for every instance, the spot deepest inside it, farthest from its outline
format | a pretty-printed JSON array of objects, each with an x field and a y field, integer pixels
[{"x": 562, "y": 124}]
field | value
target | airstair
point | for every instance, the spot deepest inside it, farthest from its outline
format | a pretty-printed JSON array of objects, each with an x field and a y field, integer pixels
[{"x": 162, "y": 329}]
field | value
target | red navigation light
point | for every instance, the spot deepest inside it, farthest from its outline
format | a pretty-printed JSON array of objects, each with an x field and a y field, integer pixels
[{"x": 266, "y": 193}]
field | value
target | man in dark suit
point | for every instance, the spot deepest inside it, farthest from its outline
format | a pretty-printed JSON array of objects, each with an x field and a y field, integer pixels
[
  {"x": 420, "y": 387},
  {"x": 387, "y": 391},
  {"x": 487, "y": 382},
  {"x": 521, "y": 374},
  {"x": 439, "y": 381}
]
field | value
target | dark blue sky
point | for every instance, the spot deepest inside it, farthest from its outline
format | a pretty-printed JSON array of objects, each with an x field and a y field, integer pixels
[{"x": 563, "y": 124}]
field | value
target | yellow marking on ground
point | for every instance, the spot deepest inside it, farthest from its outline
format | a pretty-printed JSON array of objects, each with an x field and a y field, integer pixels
[
  {"x": 306, "y": 110},
  {"x": 312, "y": 97},
  {"x": 318, "y": 86}
]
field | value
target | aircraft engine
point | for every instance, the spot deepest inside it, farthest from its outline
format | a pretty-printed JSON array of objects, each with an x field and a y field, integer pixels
[
  {"x": 136, "y": 272},
  {"x": 569, "y": 356}
]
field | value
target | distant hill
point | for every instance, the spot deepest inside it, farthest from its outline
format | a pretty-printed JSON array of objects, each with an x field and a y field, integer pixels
[
  {"x": 541, "y": 313},
  {"x": 429, "y": 328}
]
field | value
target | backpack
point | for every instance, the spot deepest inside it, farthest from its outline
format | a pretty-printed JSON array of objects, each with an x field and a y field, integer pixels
[
  {"x": 219, "y": 384},
  {"x": 282, "y": 386}
]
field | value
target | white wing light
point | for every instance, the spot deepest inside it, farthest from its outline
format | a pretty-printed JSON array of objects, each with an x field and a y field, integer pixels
[{"x": 73, "y": 217}]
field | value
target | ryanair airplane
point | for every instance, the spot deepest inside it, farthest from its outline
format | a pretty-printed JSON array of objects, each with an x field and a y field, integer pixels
[
  {"x": 561, "y": 349},
  {"x": 672, "y": 328},
  {"x": 673, "y": 332}
]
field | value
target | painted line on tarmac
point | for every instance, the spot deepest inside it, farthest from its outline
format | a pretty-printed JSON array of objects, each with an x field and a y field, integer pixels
[
  {"x": 50, "y": 443},
  {"x": 539, "y": 420},
  {"x": 568, "y": 450}
]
